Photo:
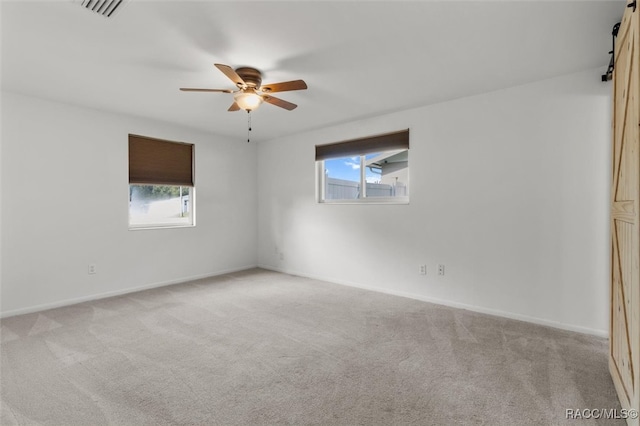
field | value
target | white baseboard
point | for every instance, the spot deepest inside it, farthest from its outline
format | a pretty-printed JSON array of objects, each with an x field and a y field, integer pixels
[
  {"x": 67, "y": 302},
  {"x": 450, "y": 303},
  {"x": 453, "y": 304}
]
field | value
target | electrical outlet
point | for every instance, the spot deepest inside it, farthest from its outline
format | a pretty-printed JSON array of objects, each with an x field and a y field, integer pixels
[
  {"x": 423, "y": 269},
  {"x": 91, "y": 269},
  {"x": 440, "y": 269}
]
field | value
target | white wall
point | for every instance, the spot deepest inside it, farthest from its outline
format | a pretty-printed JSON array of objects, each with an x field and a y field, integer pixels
[
  {"x": 509, "y": 190},
  {"x": 65, "y": 205}
]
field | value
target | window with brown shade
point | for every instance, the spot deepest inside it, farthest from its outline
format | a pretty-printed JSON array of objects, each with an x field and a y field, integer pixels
[
  {"x": 369, "y": 169},
  {"x": 161, "y": 183}
]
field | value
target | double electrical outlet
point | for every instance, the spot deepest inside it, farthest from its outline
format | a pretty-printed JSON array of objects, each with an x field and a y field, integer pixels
[
  {"x": 423, "y": 269},
  {"x": 279, "y": 254}
]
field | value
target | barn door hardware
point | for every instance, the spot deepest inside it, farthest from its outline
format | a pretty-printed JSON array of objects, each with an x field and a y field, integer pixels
[{"x": 614, "y": 33}]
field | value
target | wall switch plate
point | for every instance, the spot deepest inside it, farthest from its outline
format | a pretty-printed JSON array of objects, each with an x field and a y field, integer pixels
[
  {"x": 423, "y": 269},
  {"x": 440, "y": 269},
  {"x": 91, "y": 269}
]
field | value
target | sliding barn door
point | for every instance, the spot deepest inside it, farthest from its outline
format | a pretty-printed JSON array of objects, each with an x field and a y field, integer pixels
[{"x": 624, "y": 350}]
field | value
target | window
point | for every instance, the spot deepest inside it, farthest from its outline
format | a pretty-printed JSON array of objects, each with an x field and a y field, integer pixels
[
  {"x": 159, "y": 205},
  {"x": 371, "y": 169},
  {"x": 161, "y": 184}
]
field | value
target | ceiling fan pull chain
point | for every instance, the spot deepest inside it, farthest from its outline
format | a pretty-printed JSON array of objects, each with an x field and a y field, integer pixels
[{"x": 248, "y": 125}]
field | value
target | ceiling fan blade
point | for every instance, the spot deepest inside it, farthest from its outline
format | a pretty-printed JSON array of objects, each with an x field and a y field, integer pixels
[
  {"x": 230, "y": 72},
  {"x": 187, "y": 89},
  {"x": 234, "y": 107},
  {"x": 284, "y": 87},
  {"x": 279, "y": 102}
]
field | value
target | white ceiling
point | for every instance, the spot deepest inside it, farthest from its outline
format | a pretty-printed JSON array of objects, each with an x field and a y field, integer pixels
[{"x": 358, "y": 58}]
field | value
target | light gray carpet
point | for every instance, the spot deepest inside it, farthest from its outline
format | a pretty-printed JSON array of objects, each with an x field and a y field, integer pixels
[{"x": 259, "y": 347}]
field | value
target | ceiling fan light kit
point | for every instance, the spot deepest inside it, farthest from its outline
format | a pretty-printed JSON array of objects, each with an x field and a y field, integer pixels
[
  {"x": 248, "y": 100},
  {"x": 251, "y": 92}
]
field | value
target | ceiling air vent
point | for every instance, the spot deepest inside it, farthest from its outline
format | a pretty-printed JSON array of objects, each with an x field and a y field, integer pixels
[{"x": 106, "y": 8}]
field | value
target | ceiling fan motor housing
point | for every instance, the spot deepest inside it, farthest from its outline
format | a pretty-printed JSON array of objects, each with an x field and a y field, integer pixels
[{"x": 251, "y": 76}]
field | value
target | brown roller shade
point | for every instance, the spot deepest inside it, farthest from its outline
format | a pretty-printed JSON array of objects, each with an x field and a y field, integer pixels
[
  {"x": 385, "y": 142},
  {"x": 159, "y": 162}
]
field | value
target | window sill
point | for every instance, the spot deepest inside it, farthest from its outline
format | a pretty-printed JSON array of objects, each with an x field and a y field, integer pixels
[
  {"x": 146, "y": 227},
  {"x": 391, "y": 201}
]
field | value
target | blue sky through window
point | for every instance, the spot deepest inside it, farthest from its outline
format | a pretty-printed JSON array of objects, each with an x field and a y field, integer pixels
[{"x": 348, "y": 168}]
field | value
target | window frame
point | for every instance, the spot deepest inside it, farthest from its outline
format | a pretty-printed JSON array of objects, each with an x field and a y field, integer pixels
[
  {"x": 166, "y": 225},
  {"x": 397, "y": 140},
  {"x": 185, "y": 177}
]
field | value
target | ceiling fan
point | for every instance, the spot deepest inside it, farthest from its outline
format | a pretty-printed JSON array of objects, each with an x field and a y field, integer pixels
[{"x": 251, "y": 92}]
